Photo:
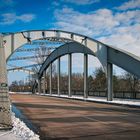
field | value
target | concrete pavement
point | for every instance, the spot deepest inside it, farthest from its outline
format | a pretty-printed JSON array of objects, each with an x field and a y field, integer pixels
[{"x": 64, "y": 119}]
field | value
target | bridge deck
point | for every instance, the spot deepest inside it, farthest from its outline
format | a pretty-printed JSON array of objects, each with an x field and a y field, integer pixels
[{"x": 64, "y": 119}]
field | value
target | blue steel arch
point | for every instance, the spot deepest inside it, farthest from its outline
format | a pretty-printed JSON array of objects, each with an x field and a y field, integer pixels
[
  {"x": 116, "y": 56},
  {"x": 17, "y": 39},
  {"x": 68, "y": 48},
  {"x": 104, "y": 52}
]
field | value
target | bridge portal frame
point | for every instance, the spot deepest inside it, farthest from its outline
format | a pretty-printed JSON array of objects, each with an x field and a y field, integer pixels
[{"x": 106, "y": 54}]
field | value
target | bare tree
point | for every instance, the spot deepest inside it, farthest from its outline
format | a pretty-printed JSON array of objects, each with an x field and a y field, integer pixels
[{"x": 41, "y": 54}]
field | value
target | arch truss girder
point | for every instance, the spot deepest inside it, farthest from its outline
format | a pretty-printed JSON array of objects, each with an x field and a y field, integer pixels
[
  {"x": 125, "y": 60},
  {"x": 21, "y": 70},
  {"x": 14, "y": 41},
  {"x": 68, "y": 48}
]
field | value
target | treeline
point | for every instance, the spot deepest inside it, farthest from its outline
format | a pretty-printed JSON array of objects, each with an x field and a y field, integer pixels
[
  {"x": 96, "y": 82},
  {"x": 21, "y": 86}
]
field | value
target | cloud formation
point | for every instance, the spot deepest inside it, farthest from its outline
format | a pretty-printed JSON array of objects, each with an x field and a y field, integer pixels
[
  {"x": 131, "y": 4},
  {"x": 10, "y": 18},
  {"x": 120, "y": 29},
  {"x": 89, "y": 23}
]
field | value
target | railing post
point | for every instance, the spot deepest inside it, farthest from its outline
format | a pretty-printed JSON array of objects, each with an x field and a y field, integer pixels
[
  {"x": 85, "y": 75},
  {"x": 58, "y": 77},
  {"x": 50, "y": 78},
  {"x": 69, "y": 73},
  {"x": 109, "y": 82},
  {"x": 5, "y": 115}
]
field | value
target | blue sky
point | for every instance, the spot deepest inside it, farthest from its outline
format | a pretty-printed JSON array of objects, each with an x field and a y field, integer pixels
[
  {"x": 115, "y": 22},
  {"x": 41, "y": 14}
]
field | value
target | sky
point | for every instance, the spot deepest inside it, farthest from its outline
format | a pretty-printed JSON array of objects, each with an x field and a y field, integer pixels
[{"x": 114, "y": 22}]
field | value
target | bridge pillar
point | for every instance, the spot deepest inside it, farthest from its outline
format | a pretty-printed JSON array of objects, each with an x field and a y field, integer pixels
[
  {"x": 44, "y": 82},
  {"x": 69, "y": 73},
  {"x": 109, "y": 82},
  {"x": 50, "y": 78},
  {"x": 5, "y": 114},
  {"x": 85, "y": 75},
  {"x": 58, "y": 77}
]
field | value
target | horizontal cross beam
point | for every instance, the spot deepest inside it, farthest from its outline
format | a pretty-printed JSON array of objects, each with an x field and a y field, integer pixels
[
  {"x": 28, "y": 57},
  {"x": 35, "y": 49}
]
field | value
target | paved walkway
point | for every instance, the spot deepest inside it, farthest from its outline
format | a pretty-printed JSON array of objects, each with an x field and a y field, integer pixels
[
  {"x": 64, "y": 119},
  {"x": 116, "y": 101}
]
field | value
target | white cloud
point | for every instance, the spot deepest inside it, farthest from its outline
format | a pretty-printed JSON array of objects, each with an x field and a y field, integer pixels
[
  {"x": 127, "y": 38},
  {"x": 89, "y": 24},
  {"x": 26, "y": 17},
  {"x": 128, "y": 17},
  {"x": 118, "y": 29},
  {"x": 10, "y": 18},
  {"x": 131, "y": 4},
  {"x": 81, "y": 2},
  {"x": 100, "y": 22}
]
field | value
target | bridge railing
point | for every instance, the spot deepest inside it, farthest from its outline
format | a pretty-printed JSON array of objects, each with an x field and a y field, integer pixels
[
  {"x": 127, "y": 94},
  {"x": 97, "y": 93},
  {"x": 54, "y": 91},
  {"x": 117, "y": 94}
]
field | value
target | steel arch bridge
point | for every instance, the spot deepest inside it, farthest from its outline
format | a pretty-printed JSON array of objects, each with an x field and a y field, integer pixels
[{"x": 106, "y": 54}]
